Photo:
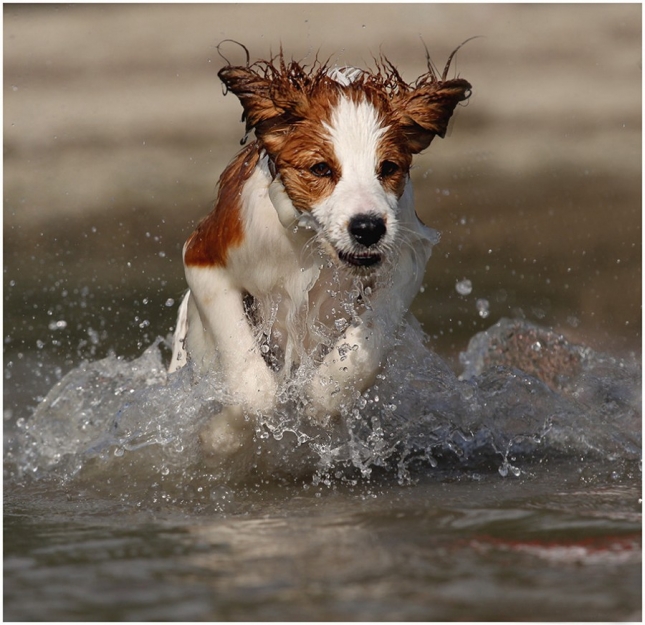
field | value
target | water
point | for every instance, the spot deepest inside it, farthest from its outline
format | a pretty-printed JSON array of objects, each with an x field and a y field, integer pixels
[
  {"x": 510, "y": 492},
  {"x": 562, "y": 542}
]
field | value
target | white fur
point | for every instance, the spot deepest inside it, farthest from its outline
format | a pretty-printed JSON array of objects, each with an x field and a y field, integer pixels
[{"x": 355, "y": 133}]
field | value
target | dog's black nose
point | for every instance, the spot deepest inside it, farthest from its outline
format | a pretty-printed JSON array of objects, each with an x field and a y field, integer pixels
[{"x": 367, "y": 229}]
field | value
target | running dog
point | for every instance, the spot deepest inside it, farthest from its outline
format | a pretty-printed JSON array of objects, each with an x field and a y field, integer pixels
[{"x": 311, "y": 257}]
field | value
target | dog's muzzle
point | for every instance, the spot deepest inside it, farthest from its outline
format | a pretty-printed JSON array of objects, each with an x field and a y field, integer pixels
[{"x": 366, "y": 231}]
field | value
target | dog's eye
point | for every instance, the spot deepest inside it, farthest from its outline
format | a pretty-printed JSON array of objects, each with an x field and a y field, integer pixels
[
  {"x": 388, "y": 168},
  {"x": 322, "y": 170}
]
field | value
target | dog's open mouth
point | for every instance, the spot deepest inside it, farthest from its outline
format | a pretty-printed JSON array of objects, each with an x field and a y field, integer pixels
[{"x": 360, "y": 259}]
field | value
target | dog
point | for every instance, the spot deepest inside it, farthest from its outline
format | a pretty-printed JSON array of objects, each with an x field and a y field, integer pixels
[{"x": 310, "y": 259}]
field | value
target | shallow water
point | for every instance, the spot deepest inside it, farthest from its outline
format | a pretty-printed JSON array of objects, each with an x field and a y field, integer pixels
[
  {"x": 506, "y": 494},
  {"x": 561, "y": 542}
]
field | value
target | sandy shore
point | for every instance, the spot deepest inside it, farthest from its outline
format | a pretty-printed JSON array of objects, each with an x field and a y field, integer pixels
[{"x": 116, "y": 130}]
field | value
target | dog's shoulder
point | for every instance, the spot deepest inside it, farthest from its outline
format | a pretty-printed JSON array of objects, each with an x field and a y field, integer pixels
[{"x": 223, "y": 228}]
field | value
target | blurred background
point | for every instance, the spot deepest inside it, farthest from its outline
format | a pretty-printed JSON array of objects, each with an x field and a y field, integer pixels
[{"x": 116, "y": 131}]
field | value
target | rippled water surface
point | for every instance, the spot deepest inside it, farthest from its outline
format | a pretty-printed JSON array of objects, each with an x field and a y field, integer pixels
[{"x": 560, "y": 542}]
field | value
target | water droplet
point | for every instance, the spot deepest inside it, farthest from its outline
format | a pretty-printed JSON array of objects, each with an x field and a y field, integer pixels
[
  {"x": 94, "y": 336},
  {"x": 464, "y": 287},
  {"x": 340, "y": 324},
  {"x": 58, "y": 325},
  {"x": 482, "y": 306}
]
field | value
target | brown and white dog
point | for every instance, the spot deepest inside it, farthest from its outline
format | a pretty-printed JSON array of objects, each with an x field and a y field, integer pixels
[{"x": 313, "y": 253}]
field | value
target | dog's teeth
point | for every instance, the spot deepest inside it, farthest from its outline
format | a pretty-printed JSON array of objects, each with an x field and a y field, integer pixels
[{"x": 360, "y": 260}]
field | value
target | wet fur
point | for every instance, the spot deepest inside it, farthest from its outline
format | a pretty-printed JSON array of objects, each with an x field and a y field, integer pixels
[{"x": 313, "y": 253}]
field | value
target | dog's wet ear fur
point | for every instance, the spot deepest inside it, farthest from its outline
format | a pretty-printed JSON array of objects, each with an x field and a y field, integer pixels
[
  {"x": 275, "y": 94},
  {"x": 254, "y": 93},
  {"x": 273, "y": 97},
  {"x": 424, "y": 112}
]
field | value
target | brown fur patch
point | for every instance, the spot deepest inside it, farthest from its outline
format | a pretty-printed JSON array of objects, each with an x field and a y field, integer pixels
[{"x": 222, "y": 228}]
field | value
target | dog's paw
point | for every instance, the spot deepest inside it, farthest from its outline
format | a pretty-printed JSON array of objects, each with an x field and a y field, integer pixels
[
  {"x": 325, "y": 399},
  {"x": 226, "y": 434},
  {"x": 340, "y": 379}
]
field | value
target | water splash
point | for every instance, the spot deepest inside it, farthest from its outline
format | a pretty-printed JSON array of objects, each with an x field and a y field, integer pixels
[{"x": 525, "y": 392}]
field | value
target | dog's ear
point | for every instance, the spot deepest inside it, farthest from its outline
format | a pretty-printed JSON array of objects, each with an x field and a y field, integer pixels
[
  {"x": 272, "y": 99},
  {"x": 424, "y": 111},
  {"x": 254, "y": 93}
]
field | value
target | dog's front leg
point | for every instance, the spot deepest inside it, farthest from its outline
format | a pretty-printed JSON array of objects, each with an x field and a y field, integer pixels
[
  {"x": 221, "y": 328},
  {"x": 353, "y": 363},
  {"x": 220, "y": 336}
]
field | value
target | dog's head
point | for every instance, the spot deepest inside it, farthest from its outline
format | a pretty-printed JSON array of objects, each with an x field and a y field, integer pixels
[{"x": 341, "y": 142}]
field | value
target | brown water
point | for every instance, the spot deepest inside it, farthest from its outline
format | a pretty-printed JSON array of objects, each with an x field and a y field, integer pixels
[{"x": 115, "y": 132}]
